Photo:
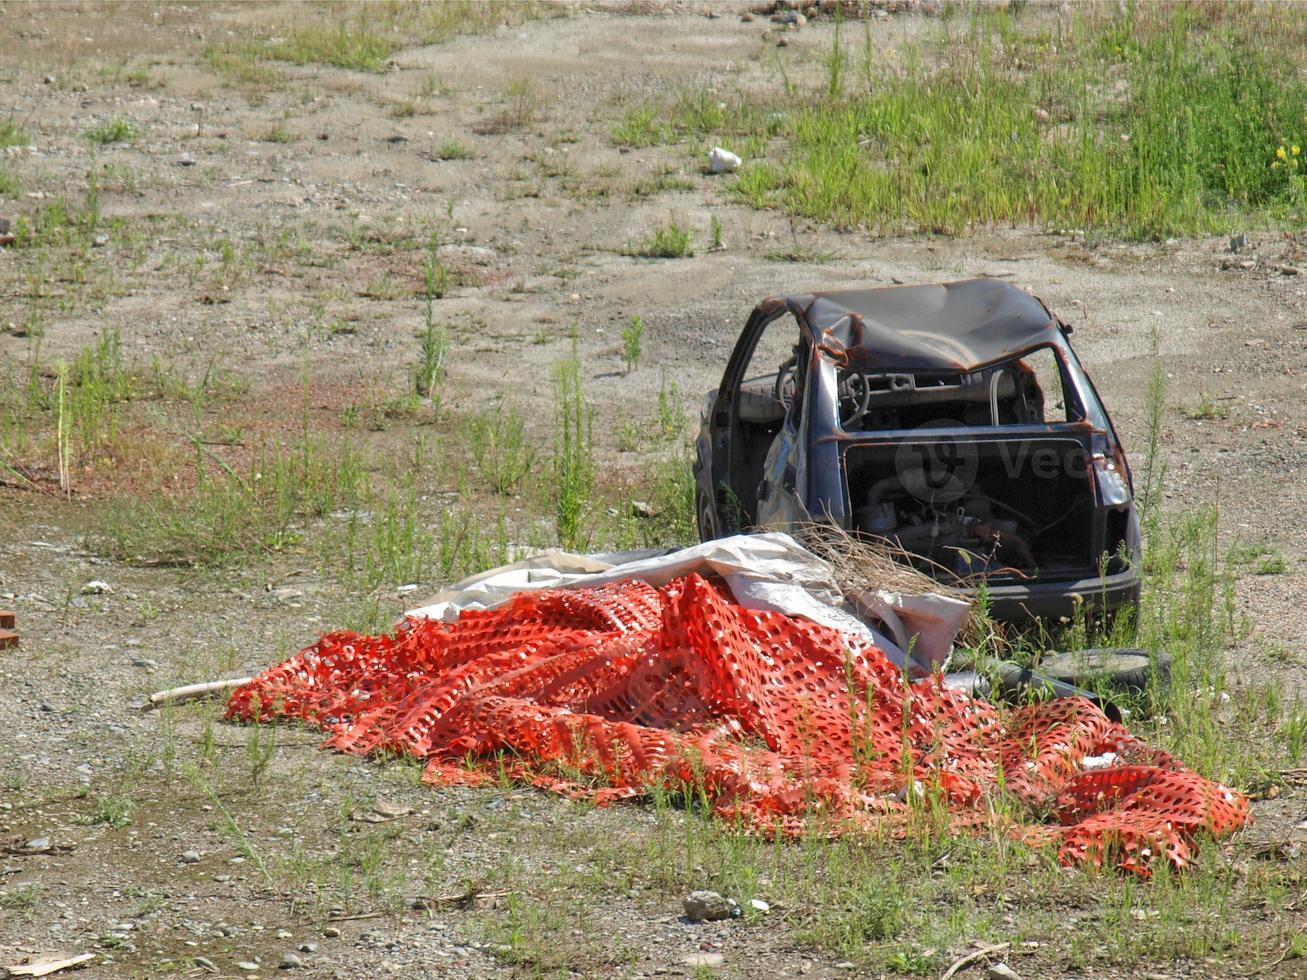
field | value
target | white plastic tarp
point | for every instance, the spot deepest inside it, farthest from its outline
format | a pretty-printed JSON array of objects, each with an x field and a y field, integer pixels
[{"x": 768, "y": 571}]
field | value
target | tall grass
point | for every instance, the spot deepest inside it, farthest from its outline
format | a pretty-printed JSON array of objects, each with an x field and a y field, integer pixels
[
  {"x": 258, "y": 507},
  {"x": 1159, "y": 120},
  {"x": 573, "y": 466}
]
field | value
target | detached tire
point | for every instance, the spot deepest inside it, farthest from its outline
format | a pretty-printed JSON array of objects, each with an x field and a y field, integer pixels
[{"x": 1120, "y": 668}]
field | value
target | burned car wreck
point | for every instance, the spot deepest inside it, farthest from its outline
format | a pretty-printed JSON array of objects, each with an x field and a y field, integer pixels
[{"x": 953, "y": 421}]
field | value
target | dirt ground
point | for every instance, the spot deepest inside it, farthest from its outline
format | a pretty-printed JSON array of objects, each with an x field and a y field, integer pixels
[{"x": 534, "y": 224}]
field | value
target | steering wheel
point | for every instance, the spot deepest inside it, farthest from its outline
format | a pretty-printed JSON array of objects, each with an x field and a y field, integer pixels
[
  {"x": 855, "y": 394},
  {"x": 783, "y": 389}
]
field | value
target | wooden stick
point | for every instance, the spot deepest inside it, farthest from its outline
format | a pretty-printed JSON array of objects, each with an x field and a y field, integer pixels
[
  {"x": 355, "y": 917},
  {"x": 971, "y": 957},
  {"x": 193, "y": 692},
  {"x": 41, "y": 968},
  {"x": 1279, "y": 959}
]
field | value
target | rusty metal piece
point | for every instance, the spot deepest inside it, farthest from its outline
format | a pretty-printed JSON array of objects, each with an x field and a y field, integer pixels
[{"x": 8, "y": 635}]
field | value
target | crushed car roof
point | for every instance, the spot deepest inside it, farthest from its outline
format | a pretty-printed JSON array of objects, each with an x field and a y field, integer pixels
[{"x": 958, "y": 326}]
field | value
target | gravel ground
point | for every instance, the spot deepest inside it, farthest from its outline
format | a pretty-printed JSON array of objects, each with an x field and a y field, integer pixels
[{"x": 534, "y": 225}]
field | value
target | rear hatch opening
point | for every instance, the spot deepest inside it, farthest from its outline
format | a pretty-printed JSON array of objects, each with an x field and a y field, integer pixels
[{"x": 1004, "y": 509}]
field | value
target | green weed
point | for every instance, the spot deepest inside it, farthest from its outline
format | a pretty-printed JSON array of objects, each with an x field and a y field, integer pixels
[
  {"x": 573, "y": 454},
  {"x": 260, "y": 749},
  {"x": 522, "y": 105},
  {"x": 354, "y": 45},
  {"x": 434, "y": 346},
  {"x": 18, "y": 899},
  {"x": 454, "y": 150},
  {"x": 116, "y": 130},
  {"x": 669, "y": 241},
  {"x": 12, "y": 132},
  {"x": 503, "y": 452},
  {"x": 1208, "y": 409},
  {"x": 632, "y": 334},
  {"x": 258, "y": 507},
  {"x": 243, "y": 62},
  {"x": 113, "y": 811}
]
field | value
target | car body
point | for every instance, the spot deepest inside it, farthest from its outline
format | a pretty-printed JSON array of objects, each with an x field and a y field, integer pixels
[{"x": 952, "y": 420}]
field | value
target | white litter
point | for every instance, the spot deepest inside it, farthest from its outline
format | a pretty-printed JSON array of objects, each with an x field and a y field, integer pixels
[
  {"x": 1091, "y": 762},
  {"x": 722, "y": 161}
]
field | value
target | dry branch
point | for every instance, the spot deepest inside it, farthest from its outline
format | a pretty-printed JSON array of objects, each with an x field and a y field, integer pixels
[{"x": 193, "y": 692}]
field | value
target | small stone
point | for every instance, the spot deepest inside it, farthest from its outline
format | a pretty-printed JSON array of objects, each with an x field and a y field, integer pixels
[
  {"x": 47, "y": 707},
  {"x": 641, "y": 508},
  {"x": 705, "y": 905},
  {"x": 1290, "y": 270},
  {"x": 331, "y": 932},
  {"x": 48, "y": 80},
  {"x": 746, "y": 18},
  {"x": 37, "y": 845},
  {"x": 283, "y": 934},
  {"x": 99, "y": 241},
  {"x": 707, "y": 960},
  {"x": 759, "y": 905},
  {"x": 1001, "y": 971},
  {"x": 782, "y": 42},
  {"x": 95, "y": 586},
  {"x": 247, "y": 966},
  {"x": 186, "y": 160},
  {"x": 308, "y": 947},
  {"x": 145, "y": 663},
  {"x": 204, "y": 963},
  {"x": 289, "y": 961},
  {"x": 845, "y": 965},
  {"x": 190, "y": 857}
]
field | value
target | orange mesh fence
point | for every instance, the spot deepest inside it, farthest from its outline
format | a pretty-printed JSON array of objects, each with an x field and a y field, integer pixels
[{"x": 787, "y": 726}]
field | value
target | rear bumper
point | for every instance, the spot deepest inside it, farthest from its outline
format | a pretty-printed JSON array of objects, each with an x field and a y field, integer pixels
[{"x": 1064, "y": 600}]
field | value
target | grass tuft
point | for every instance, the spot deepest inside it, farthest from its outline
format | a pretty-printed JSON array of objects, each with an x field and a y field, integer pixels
[
  {"x": 669, "y": 241},
  {"x": 116, "y": 130}
]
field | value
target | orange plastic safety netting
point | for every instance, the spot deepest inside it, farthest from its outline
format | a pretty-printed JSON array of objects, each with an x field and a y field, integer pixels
[{"x": 788, "y": 726}]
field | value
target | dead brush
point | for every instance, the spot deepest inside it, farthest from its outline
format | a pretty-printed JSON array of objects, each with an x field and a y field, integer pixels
[{"x": 861, "y": 563}]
